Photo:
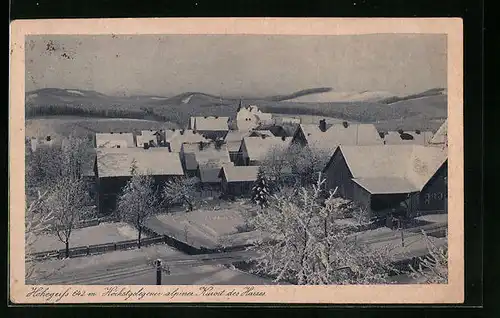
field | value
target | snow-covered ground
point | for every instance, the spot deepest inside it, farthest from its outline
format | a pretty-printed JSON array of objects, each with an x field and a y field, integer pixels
[
  {"x": 99, "y": 234},
  {"x": 206, "y": 227},
  {"x": 64, "y": 125},
  {"x": 434, "y": 218}
]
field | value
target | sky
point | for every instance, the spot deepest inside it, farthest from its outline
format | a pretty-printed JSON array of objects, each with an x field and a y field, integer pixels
[{"x": 236, "y": 65}]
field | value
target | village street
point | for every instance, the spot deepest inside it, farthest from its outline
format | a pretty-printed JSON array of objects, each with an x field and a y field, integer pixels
[{"x": 136, "y": 266}]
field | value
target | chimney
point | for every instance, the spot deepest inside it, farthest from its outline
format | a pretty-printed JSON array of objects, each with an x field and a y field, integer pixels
[
  {"x": 345, "y": 124},
  {"x": 146, "y": 146},
  {"x": 322, "y": 125}
]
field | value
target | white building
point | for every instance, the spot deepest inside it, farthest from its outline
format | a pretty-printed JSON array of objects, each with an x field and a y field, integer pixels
[{"x": 250, "y": 117}]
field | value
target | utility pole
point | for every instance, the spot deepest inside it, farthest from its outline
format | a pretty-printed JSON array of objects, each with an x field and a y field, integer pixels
[{"x": 158, "y": 271}]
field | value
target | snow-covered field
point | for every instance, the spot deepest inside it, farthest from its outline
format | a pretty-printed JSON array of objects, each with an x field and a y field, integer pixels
[
  {"x": 99, "y": 234},
  {"x": 64, "y": 125},
  {"x": 207, "y": 227}
]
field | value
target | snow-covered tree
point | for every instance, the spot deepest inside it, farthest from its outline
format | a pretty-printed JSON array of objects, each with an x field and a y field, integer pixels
[
  {"x": 138, "y": 202},
  {"x": 294, "y": 166},
  {"x": 432, "y": 268},
  {"x": 68, "y": 203},
  {"x": 46, "y": 165},
  {"x": 260, "y": 190},
  {"x": 37, "y": 221},
  {"x": 181, "y": 190},
  {"x": 303, "y": 244}
]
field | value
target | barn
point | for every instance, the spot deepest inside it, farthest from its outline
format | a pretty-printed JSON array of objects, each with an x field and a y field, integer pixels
[
  {"x": 389, "y": 179},
  {"x": 113, "y": 169}
]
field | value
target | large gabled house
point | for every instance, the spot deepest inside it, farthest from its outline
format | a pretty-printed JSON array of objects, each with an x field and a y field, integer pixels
[
  {"x": 327, "y": 137},
  {"x": 390, "y": 179},
  {"x": 250, "y": 117},
  {"x": 113, "y": 169},
  {"x": 255, "y": 149},
  {"x": 211, "y": 127}
]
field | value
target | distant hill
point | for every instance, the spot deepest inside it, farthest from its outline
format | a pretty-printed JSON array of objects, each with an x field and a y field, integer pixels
[
  {"x": 427, "y": 93},
  {"x": 330, "y": 96},
  {"x": 416, "y": 108}
]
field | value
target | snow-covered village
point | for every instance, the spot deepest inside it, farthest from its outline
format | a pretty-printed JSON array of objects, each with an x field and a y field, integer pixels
[{"x": 321, "y": 186}]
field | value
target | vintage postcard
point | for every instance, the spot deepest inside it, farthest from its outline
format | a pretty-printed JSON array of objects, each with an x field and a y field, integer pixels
[{"x": 239, "y": 160}]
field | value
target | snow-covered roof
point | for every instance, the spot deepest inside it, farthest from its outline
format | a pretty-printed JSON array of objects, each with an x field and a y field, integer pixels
[
  {"x": 440, "y": 137},
  {"x": 210, "y": 123},
  {"x": 376, "y": 168},
  {"x": 234, "y": 138},
  {"x": 176, "y": 137},
  {"x": 408, "y": 138},
  {"x": 240, "y": 173},
  {"x": 117, "y": 162},
  {"x": 209, "y": 154},
  {"x": 114, "y": 140},
  {"x": 338, "y": 134},
  {"x": 258, "y": 147}
]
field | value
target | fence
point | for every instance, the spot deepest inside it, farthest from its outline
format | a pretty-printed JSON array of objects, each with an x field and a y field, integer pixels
[
  {"x": 193, "y": 249},
  {"x": 97, "y": 249}
]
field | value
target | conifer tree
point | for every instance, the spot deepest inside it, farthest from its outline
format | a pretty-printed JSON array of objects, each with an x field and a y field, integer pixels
[{"x": 260, "y": 190}]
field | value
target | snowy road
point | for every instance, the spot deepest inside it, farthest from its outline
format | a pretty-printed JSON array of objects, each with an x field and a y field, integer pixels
[{"x": 125, "y": 271}]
